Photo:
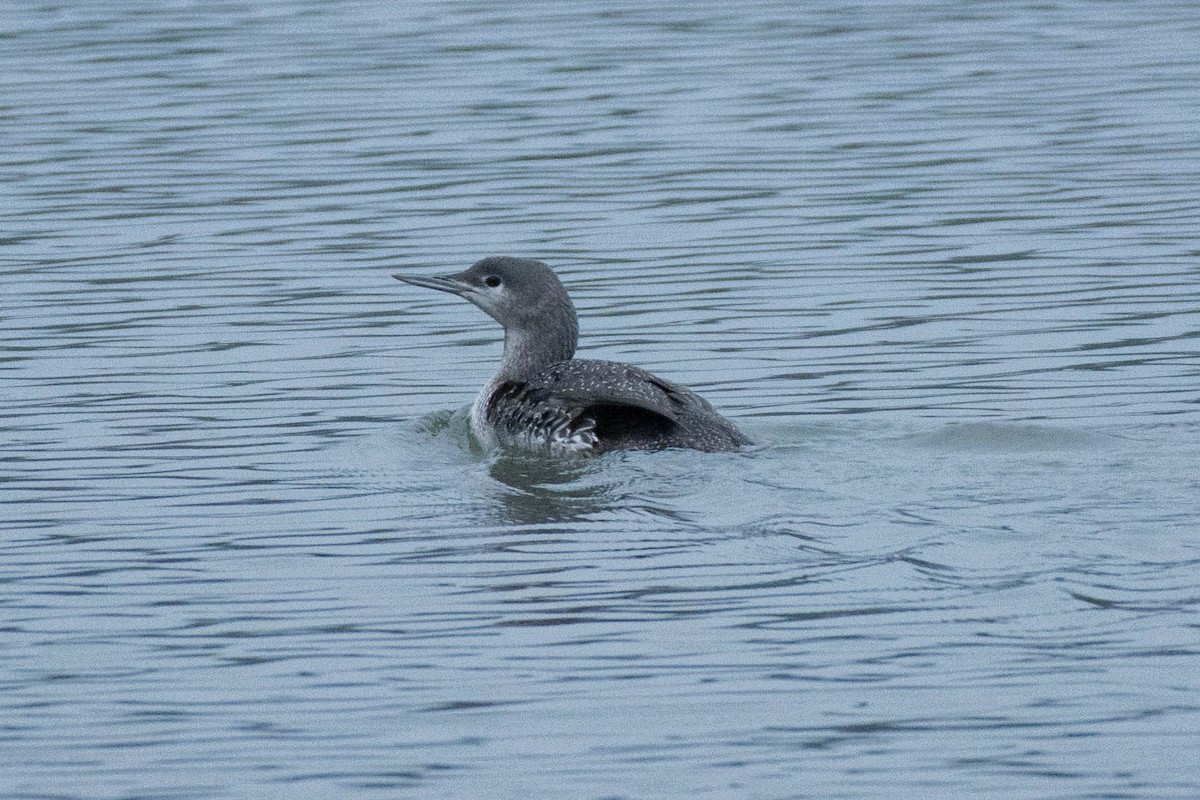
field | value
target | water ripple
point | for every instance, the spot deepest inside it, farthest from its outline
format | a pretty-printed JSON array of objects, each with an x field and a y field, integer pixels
[{"x": 940, "y": 262}]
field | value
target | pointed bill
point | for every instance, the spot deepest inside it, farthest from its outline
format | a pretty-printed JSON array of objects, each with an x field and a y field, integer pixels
[{"x": 448, "y": 283}]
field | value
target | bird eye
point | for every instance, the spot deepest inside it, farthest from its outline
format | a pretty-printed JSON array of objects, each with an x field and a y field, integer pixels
[{"x": 492, "y": 281}]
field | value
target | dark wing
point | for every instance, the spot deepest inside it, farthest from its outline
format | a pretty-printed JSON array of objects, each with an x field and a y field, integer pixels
[
  {"x": 583, "y": 383},
  {"x": 603, "y": 405}
]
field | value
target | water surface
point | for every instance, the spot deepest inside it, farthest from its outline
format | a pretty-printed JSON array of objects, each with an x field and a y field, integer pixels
[{"x": 939, "y": 260}]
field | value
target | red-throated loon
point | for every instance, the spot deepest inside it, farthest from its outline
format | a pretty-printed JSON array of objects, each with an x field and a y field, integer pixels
[{"x": 542, "y": 398}]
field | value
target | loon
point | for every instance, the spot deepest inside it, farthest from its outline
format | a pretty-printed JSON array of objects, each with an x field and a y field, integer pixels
[{"x": 543, "y": 398}]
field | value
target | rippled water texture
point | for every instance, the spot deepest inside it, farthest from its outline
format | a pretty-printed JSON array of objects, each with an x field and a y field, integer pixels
[{"x": 939, "y": 259}]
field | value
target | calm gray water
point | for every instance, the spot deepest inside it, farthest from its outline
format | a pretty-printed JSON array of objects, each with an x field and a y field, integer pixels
[{"x": 942, "y": 260}]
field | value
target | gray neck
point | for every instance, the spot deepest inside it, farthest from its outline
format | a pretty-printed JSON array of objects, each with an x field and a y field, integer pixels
[{"x": 528, "y": 351}]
